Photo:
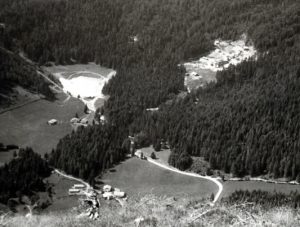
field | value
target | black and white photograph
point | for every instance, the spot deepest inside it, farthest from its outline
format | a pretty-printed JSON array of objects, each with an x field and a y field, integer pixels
[{"x": 149, "y": 113}]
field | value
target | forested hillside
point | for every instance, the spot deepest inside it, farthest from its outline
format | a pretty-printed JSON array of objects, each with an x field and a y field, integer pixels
[
  {"x": 88, "y": 152},
  {"x": 246, "y": 123},
  {"x": 23, "y": 175},
  {"x": 14, "y": 71}
]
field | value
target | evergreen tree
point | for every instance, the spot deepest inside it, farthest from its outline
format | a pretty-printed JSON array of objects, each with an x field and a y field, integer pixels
[{"x": 153, "y": 156}]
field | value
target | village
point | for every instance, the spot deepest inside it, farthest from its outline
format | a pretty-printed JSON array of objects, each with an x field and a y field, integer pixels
[
  {"x": 92, "y": 196},
  {"x": 226, "y": 53}
]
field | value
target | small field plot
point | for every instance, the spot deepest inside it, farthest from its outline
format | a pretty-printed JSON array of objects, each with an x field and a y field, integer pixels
[
  {"x": 231, "y": 186},
  {"x": 27, "y": 126},
  {"x": 138, "y": 177}
]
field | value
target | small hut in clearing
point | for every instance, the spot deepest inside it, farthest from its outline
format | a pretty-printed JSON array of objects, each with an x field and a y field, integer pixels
[{"x": 52, "y": 122}]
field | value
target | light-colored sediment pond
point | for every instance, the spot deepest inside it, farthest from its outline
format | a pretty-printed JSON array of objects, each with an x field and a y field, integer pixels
[{"x": 83, "y": 81}]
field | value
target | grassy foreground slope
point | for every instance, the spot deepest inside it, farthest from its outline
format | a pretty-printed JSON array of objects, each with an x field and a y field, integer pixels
[{"x": 162, "y": 211}]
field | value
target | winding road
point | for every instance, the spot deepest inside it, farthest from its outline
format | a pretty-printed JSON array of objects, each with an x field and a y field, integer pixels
[
  {"x": 214, "y": 180},
  {"x": 164, "y": 166}
]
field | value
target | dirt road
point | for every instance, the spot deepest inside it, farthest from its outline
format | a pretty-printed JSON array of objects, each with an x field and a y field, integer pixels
[{"x": 214, "y": 180}]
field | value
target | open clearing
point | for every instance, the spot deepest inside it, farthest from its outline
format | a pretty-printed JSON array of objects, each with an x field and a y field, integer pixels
[
  {"x": 230, "y": 186},
  {"x": 161, "y": 161},
  {"x": 27, "y": 125},
  {"x": 139, "y": 177},
  {"x": 84, "y": 82},
  {"x": 227, "y": 53}
]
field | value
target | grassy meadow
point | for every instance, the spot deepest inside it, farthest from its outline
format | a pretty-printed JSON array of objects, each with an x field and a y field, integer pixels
[
  {"x": 138, "y": 177},
  {"x": 27, "y": 126}
]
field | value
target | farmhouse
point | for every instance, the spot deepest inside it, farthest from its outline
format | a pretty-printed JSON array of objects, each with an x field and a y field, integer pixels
[
  {"x": 52, "y": 122},
  {"x": 152, "y": 109},
  {"x": 110, "y": 192},
  {"x": 119, "y": 194},
  {"x": 84, "y": 121},
  {"x": 79, "y": 186},
  {"x": 193, "y": 74},
  {"x": 102, "y": 119},
  {"x": 107, "y": 188},
  {"x": 74, "y": 191},
  {"x": 74, "y": 120},
  {"x": 108, "y": 195}
]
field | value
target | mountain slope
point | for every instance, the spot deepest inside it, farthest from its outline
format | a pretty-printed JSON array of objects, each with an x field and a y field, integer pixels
[{"x": 15, "y": 71}]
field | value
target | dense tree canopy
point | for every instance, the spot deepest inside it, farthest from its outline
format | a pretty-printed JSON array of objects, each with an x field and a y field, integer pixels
[
  {"x": 15, "y": 71},
  {"x": 89, "y": 151},
  {"x": 22, "y": 175}
]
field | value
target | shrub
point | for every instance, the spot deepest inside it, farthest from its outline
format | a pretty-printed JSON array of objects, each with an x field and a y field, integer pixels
[{"x": 153, "y": 156}]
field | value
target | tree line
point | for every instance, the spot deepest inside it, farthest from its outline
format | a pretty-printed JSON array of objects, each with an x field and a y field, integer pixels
[
  {"x": 266, "y": 200},
  {"x": 89, "y": 151}
]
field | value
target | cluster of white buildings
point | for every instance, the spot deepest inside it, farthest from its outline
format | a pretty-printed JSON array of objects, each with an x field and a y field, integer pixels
[
  {"x": 77, "y": 189},
  {"x": 226, "y": 53},
  {"x": 83, "y": 121},
  {"x": 110, "y": 193}
]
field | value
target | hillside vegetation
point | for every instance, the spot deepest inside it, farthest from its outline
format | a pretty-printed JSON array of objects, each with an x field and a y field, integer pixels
[
  {"x": 162, "y": 211},
  {"x": 23, "y": 175},
  {"x": 85, "y": 155},
  {"x": 15, "y": 71},
  {"x": 245, "y": 123}
]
